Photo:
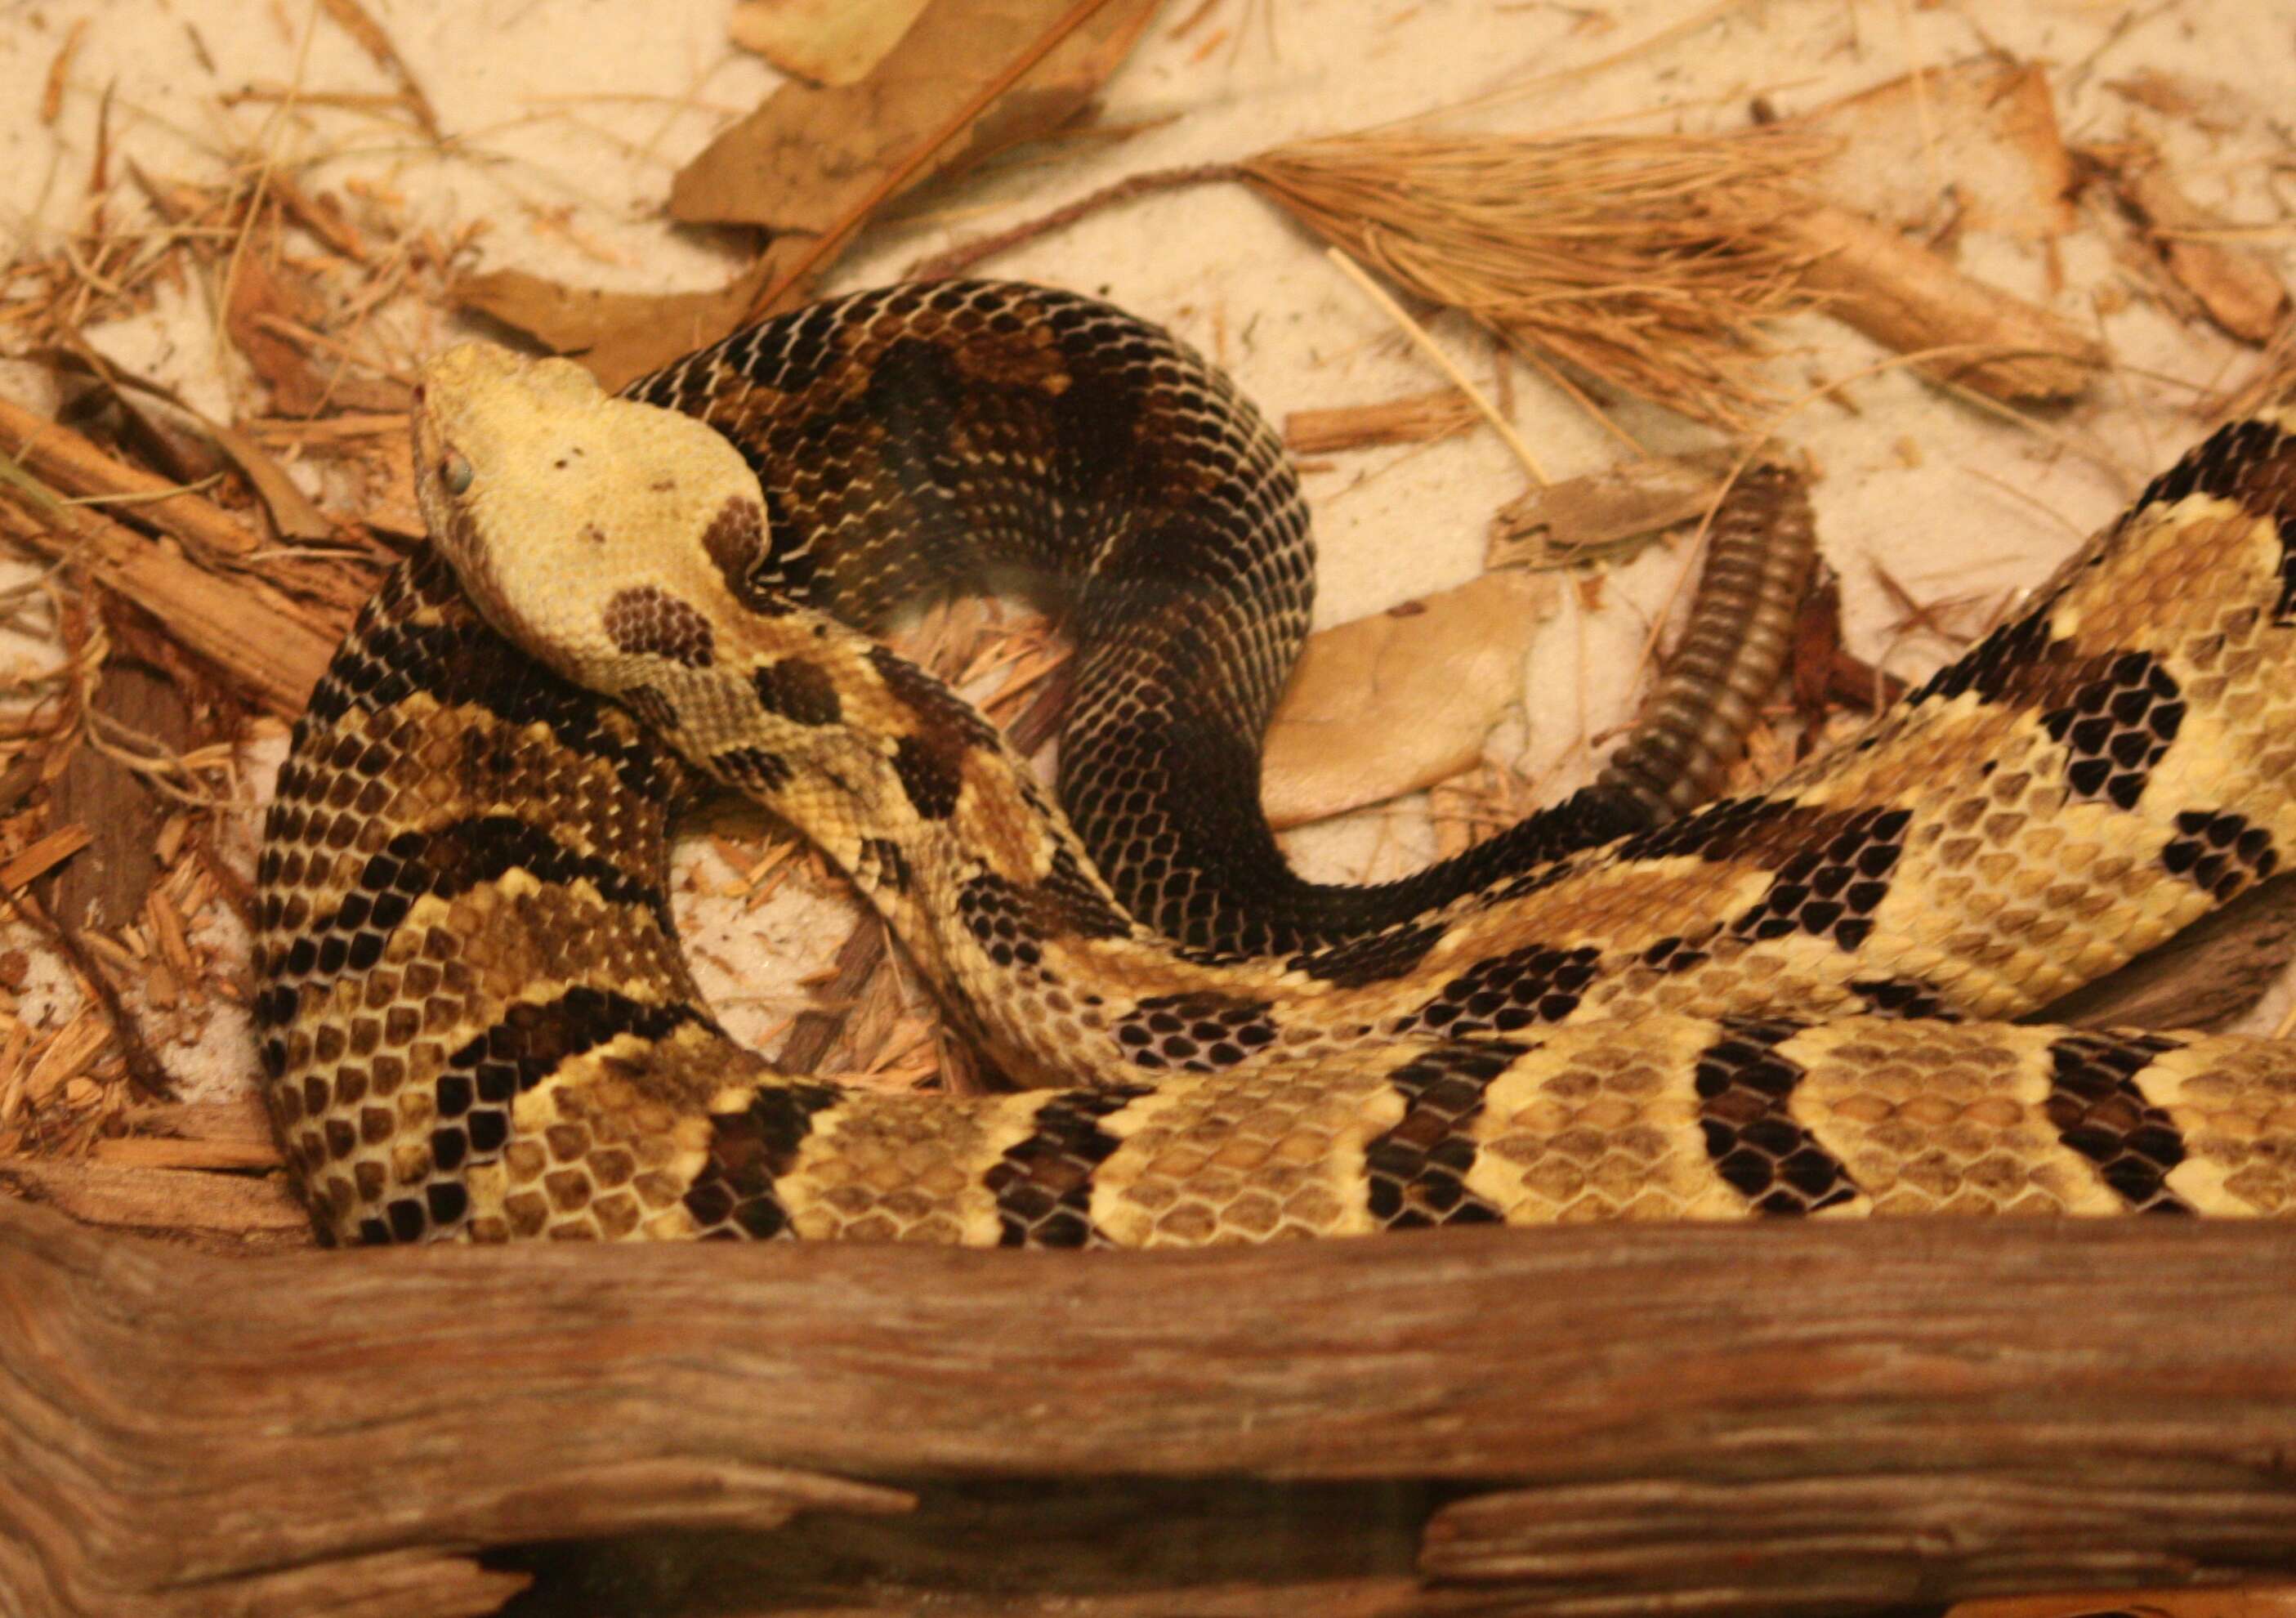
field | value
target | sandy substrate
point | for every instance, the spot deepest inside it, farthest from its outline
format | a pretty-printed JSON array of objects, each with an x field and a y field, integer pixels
[{"x": 567, "y": 120}]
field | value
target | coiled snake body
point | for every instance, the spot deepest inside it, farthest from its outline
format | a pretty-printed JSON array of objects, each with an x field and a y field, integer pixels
[{"x": 478, "y": 1022}]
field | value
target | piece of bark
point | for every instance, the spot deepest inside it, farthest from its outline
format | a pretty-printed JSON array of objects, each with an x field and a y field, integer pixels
[
  {"x": 273, "y": 319},
  {"x": 827, "y": 42},
  {"x": 1908, "y": 298},
  {"x": 254, "y": 637},
  {"x": 261, "y": 639},
  {"x": 145, "y": 436},
  {"x": 1581, "y": 516},
  {"x": 1979, "y": 138},
  {"x": 177, "y": 1430},
  {"x": 225, "y": 1125},
  {"x": 215, "y": 1211},
  {"x": 227, "y": 1136},
  {"x": 1814, "y": 1545},
  {"x": 807, "y": 157},
  {"x": 2238, "y": 288},
  {"x": 1825, "y": 675},
  {"x": 1417, "y": 418},
  {"x": 814, "y": 1032},
  {"x": 105, "y": 886},
  {"x": 74, "y": 465},
  {"x": 2206, "y": 103},
  {"x": 292, "y": 512},
  {"x": 1399, "y": 700}
]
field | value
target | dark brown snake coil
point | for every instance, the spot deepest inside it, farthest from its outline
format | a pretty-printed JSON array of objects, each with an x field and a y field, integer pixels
[{"x": 478, "y": 1022}]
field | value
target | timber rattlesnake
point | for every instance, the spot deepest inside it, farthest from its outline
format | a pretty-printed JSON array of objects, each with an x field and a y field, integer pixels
[{"x": 478, "y": 1022}]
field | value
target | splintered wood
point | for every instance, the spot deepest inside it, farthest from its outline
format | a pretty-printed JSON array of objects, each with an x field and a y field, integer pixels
[
  {"x": 1420, "y": 418},
  {"x": 199, "y": 585}
]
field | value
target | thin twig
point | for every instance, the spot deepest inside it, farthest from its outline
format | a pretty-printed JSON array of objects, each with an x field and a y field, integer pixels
[
  {"x": 958, "y": 260},
  {"x": 1449, "y": 367}
]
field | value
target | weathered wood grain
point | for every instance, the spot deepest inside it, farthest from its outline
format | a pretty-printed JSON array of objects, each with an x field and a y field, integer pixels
[{"x": 181, "y": 1433}]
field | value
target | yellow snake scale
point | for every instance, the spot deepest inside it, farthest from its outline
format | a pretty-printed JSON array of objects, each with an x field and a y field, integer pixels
[{"x": 477, "y": 1023}]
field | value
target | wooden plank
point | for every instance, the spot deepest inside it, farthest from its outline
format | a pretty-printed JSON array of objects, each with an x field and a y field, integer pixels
[{"x": 171, "y": 1420}]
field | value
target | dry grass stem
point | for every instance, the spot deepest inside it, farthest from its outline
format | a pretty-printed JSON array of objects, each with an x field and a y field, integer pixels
[
  {"x": 1444, "y": 363},
  {"x": 1649, "y": 262}
]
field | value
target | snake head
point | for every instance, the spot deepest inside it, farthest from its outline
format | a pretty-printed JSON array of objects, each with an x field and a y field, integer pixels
[{"x": 556, "y": 503}]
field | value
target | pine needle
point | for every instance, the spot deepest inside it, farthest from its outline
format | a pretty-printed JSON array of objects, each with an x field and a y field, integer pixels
[{"x": 1646, "y": 261}]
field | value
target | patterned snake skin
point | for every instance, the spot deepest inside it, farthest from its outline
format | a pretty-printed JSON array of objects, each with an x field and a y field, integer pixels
[{"x": 478, "y": 1023}]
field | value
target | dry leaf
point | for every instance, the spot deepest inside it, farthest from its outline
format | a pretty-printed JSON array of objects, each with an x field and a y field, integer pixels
[
  {"x": 2238, "y": 288},
  {"x": 804, "y": 159},
  {"x": 1402, "y": 699},
  {"x": 829, "y": 42},
  {"x": 1565, "y": 521},
  {"x": 1980, "y": 140},
  {"x": 291, "y": 511},
  {"x": 1902, "y": 294},
  {"x": 618, "y": 335}
]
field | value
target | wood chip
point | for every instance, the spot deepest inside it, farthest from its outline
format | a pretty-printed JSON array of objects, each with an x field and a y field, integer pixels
[
  {"x": 1402, "y": 699},
  {"x": 2238, "y": 288},
  {"x": 163, "y": 1202},
  {"x": 261, "y": 638},
  {"x": 21, "y": 868},
  {"x": 1909, "y": 297},
  {"x": 150, "y": 1152},
  {"x": 2199, "y": 102},
  {"x": 1416, "y": 418},
  {"x": 77, "y": 1044},
  {"x": 241, "y": 1122}
]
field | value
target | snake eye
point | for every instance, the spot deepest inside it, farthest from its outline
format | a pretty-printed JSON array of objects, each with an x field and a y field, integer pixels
[{"x": 455, "y": 473}]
